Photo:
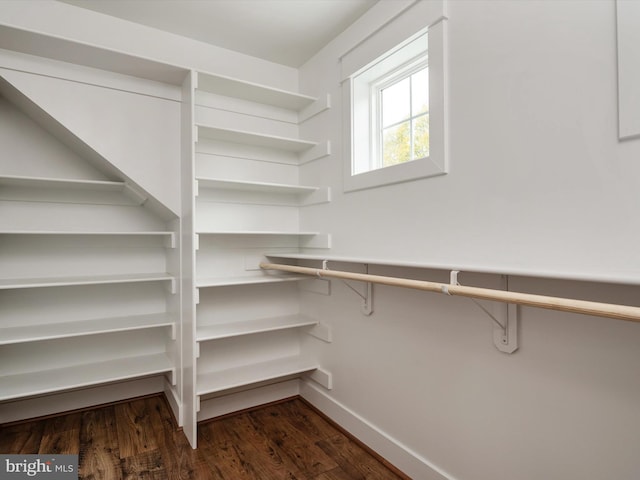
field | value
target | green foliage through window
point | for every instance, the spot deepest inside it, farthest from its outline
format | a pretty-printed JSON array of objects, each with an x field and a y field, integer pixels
[{"x": 405, "y": 119}]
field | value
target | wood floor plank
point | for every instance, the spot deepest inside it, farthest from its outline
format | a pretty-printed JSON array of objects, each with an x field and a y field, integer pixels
[
  {"x": 61, "y": 434},
  {"x": 22, "y": 438},
  {"x": 354, "y": 460},
  {"x": 224, "y": 455},
  {"x": 180, "y": 460},
  {"x": 266, "y": 459},
  {"x": 303, "y": 417},
  {"x": 135, "y": 429},
  {"x": 291, "y": 442},
  {"x": 144, "y": 465},
  {"x": 335, "y": 474},
  {"x": 99, "y": 451}
]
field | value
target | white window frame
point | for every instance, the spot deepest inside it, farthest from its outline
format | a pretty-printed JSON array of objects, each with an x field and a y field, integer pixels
[{"x": 362, "y": 113}]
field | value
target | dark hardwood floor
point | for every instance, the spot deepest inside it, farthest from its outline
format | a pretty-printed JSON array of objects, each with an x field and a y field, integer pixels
[{"x": 140, "y": 440}]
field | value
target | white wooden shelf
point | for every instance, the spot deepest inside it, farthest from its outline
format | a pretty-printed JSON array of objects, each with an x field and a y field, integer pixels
[
  {"x": 68, "y": 190},
  {"x": 217, "y": 381},
  {"x": 223, "y": 184},
  {"x": 43, "y": 282},
  {"x": 257, "y": 232},
  {"x": 32, "y": 333},
  {"x": 249, "y": 327},
  {"x": 622, "y": 278},
  {"x": 301, "y": 195},
  {"x": 248, "y": 280},
  {"x": 85, "y": 232},
  {"x": 168, "y": 237},
  {"x": 44, "y": 182},
  {"x": 79, "y": 376},
  {"x": 253, "y": 92},
  {"x": 254, "y": 139}
]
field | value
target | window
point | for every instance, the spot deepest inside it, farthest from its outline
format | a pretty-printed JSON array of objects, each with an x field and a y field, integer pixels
[
  {"x": 402, "y": 117},
  {"x": 397, "y": 114}
]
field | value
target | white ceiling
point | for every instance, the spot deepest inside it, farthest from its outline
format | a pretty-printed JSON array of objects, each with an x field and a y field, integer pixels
[{"x": 288, "y": 32}]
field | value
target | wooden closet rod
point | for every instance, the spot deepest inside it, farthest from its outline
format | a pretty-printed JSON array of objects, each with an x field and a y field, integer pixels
[{"x": 619, "y": 312}]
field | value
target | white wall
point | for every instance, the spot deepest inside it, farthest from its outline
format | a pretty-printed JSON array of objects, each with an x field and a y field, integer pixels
[{"x": 538, "y": 183}]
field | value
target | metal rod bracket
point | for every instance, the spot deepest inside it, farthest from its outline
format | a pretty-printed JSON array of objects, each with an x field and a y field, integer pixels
[
  {"x": 506, "y": 338},
  {"x": 505, "y": 321},
  {"x": 367, "y": 297}
]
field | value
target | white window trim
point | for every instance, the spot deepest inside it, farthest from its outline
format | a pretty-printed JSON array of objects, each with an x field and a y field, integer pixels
[{"x": 436, "y": 163}]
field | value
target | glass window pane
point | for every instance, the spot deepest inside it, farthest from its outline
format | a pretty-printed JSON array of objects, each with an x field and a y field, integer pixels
[
  {"x": 420, "y": 92},
  {"x": 396, "y": 144},
  {"x": 396, "y": 102},
  {"x": 421, "y": 137}
]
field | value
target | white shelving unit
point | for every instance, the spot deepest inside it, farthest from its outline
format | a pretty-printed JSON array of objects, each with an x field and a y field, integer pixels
[
  {"x": 86, "y": 294},
  {"x": 246, "y": 198}
]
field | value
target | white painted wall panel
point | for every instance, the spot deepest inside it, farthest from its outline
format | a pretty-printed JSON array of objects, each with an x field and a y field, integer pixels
[
  {"x": 538, "y": 181},
  {"x": 138, "y": 134},
  {"x": 532, "y": 137},
  {"x": 628, "y": 16}
]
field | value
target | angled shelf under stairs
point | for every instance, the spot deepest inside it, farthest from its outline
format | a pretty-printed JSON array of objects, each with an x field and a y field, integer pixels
[{"x": 89, "y": 292}]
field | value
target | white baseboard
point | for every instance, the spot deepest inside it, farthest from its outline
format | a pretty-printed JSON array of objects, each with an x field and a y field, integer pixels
[
  {"x": 174, "y": 403},
  {"x": 72, "y": 400},
  {"x": 215, "y": 407},
  {"x": 399, "y": 455}
]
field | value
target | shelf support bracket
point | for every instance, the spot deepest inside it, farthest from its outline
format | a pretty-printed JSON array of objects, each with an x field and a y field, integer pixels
[
  {"x": 367, "y": 297},
  {"x": 506, "y": 338},
  {"x": 505, "y": 323}
]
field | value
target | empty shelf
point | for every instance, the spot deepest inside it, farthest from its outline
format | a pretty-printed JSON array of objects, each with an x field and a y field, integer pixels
[
  {"x": 255, "y": 186},
  {"x": 256, "y": 139},
  {"x": 253, "y": 92},
  {"x": 248, "y": 280},
  {"x": 32, "y": 333},
  {"x": 255, "y": 232},
  {"x": 60, "y": 190},
  {"x": 42, "y": 182},
  {"x": 14, "y": 283},
  {"x": 78, "y": 376},
  {"x": 217, "y": 381},
  {"x": 248, "y": 327}
]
